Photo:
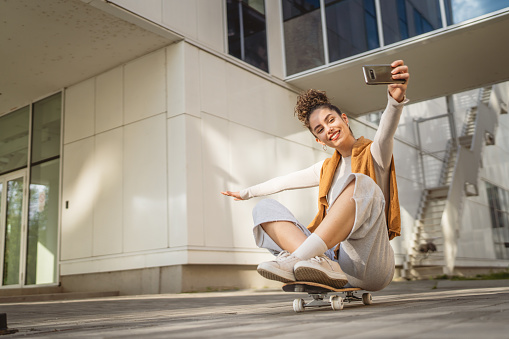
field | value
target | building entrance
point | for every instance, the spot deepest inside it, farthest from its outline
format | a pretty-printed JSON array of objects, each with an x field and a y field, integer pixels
[{"x": 13, "y": 228}]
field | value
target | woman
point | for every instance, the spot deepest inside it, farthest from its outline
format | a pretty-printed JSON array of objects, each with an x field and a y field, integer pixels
[{"x": 348, "y": 241}]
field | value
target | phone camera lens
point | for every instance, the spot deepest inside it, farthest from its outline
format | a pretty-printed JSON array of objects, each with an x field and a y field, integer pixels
[{"x": 372, "y": 74}]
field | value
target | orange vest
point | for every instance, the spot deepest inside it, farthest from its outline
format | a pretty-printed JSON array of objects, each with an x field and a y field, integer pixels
[{"x": 362, "y": 162}]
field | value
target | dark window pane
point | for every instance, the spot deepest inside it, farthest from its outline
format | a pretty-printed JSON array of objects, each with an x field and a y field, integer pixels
[
  {"x": 403, "y": 19},
  {"x": 255, "y": 38},
  {"x": 295, "y": 8},
  {"x": 46, "y": 128},
  {"x": 14, "y": 140},
  {"x": 303, "y": 35},
  {"x": 351, "y": 27},
  {"x": 459, "y": 10},
  {"x": 247, "y": 35},
  {"x": 233, "y": 12}
]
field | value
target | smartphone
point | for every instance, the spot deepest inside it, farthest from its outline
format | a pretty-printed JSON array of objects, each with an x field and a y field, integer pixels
[{"x": 379, "y": 75}]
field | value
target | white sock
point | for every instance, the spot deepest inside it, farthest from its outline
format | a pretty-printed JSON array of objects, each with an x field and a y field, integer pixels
[{"x": 311, "y": 247}]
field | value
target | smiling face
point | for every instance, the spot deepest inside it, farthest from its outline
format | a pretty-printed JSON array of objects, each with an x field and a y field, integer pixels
[{"x": 331, "y": 129}]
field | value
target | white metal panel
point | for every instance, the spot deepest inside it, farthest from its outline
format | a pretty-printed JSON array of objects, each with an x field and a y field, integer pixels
[
  {"x": 145, "y": 185},
  {"x": 217, "y": 209},
  {"x": 275, "y": 38},
  {"x": 80, "y": 190},
  {"x": 149, "y": 9},
  {"x": 108, "y": 213},
  {"x": 209, "y": 16},
  {"x": 109, "y": 100},
  {"x": 181, "y": 16},
  {"x": 194, "y": 162},
  {"x": 183, "y": 79},
  {"x": 213, "y": 84},
  {"x": 145, "y": 87},
  {"x": 79, "y": 111},
  {"x": 177, "y": 186},
  {"x": 245, "y": 100}
]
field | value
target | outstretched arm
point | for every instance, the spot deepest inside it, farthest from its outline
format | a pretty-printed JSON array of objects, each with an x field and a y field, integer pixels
[
  {"x": 382, "y": 146},
  {"x": 308, "y": 177}
]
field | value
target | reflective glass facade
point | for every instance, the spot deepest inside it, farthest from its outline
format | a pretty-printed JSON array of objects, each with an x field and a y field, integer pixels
[
  {"x": 247, "y": 33},
  {"x": 302, "y": 24},
  {"x": 498, "y": 199},
  {"x": 30, "y": 256},
  {"x": 403, "y": 19},
  {"x": 317, "y": 35},
  {"x": 351, "y": 27},
  {"x": 462, "y": 10}
]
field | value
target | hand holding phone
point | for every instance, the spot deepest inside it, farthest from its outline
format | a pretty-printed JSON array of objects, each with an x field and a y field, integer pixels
[{"x": 380, "y": 75}]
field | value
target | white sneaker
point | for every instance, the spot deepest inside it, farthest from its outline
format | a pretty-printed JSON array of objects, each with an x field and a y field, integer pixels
[
  {"x": 322, "y": 270},
  {"x": 280, "y": 269}
]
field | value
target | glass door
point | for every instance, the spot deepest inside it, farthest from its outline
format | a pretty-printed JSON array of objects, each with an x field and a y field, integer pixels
[{"x": 13, "y": 227}]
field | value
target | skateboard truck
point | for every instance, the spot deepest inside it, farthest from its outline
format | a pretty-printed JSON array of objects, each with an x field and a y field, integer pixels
[{"x": 320, "y": 295}]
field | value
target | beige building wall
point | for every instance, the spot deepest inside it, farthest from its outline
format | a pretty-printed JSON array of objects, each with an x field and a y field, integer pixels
[{"x": 149, "y": 145}]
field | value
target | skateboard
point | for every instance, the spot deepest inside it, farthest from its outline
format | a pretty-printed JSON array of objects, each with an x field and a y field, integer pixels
[{"x": 319, "y": 293}]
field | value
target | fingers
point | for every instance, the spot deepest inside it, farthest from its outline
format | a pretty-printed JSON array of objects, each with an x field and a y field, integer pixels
[
  {"x": 400, "y": 72},
  {"x": 397, "y": 63},
  {"x": 235, "y": 195}
]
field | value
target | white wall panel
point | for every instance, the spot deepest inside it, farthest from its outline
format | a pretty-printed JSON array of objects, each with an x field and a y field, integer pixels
[
  {"x": 79, "y": 111},
  {"x": 175, "y": 79},
  {"x": 145, "y": 185},
  {"x": 216, "y": 163},
  {"x": 177, "y": 195},
  {"x": 108, "y": 215},
  {"x": 181, "y": 16},
  {"x": 109, "y": 100},
  {"x": 145, "y": 87},
  {"x": 277, "y": 114},
  {"x": 185, "y": 185},
  {"x": 213, "y": 84},
  {"x": 210, "y": 23},
  {"x": 246, "y": 101},
  {"x": 149, "y": 9},
  {"x": 192, "y": 80},
  {"x": 253, "y": 159},
  {"x": 80, "y": 190},
  {"x": 194, "y": 182},
  {"x": 183, "y": 79},
  {"x": 274, "y": 38}
]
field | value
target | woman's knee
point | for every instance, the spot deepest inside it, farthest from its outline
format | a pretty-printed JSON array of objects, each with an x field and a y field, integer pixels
[
  {"x": 270, "y": 209},
  {"x": 265, "y": 204}
]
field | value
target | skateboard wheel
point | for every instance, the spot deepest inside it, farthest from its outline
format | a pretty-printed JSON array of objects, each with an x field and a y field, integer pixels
[
  {"x": 336, "y": 303},
  {"x": 298, "y": 305},
  {"x": 366, "y": 299}
]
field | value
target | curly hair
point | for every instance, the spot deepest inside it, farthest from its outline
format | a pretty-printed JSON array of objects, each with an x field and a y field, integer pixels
[{"x": 309, "y": 101}]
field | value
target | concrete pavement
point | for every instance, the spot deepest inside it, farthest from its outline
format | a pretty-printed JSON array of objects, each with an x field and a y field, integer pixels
[{"x": 419, "y": 309}]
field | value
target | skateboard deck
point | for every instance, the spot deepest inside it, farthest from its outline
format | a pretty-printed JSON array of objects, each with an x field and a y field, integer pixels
[{"x": 320, "y": 295}]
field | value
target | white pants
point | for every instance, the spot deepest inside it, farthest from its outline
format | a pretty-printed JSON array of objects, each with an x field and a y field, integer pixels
[{"x": 366, "y": 255}]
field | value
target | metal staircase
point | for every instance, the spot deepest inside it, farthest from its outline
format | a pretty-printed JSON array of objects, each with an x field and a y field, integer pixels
[{"x": 428, "y": 238}]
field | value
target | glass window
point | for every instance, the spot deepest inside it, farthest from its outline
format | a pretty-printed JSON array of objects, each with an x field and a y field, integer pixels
[
  {"x": 42, "y": 224},
  {"x": 13, "y": 223},
  {"x": 46, "y": 128},
  {"x": 499, "y": 212},
  {"x": 351, "y": 27},
  {"x": 461, "y": 10},
  {"x": 14, "y": 140},
  {"x": 247, "y": 34},
  {"x": 403, "y": 19},
  {"x": 302, "y": 24}
]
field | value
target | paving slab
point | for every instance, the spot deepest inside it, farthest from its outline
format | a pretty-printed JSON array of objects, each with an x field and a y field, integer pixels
[{"x": 417, "y": 309}]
